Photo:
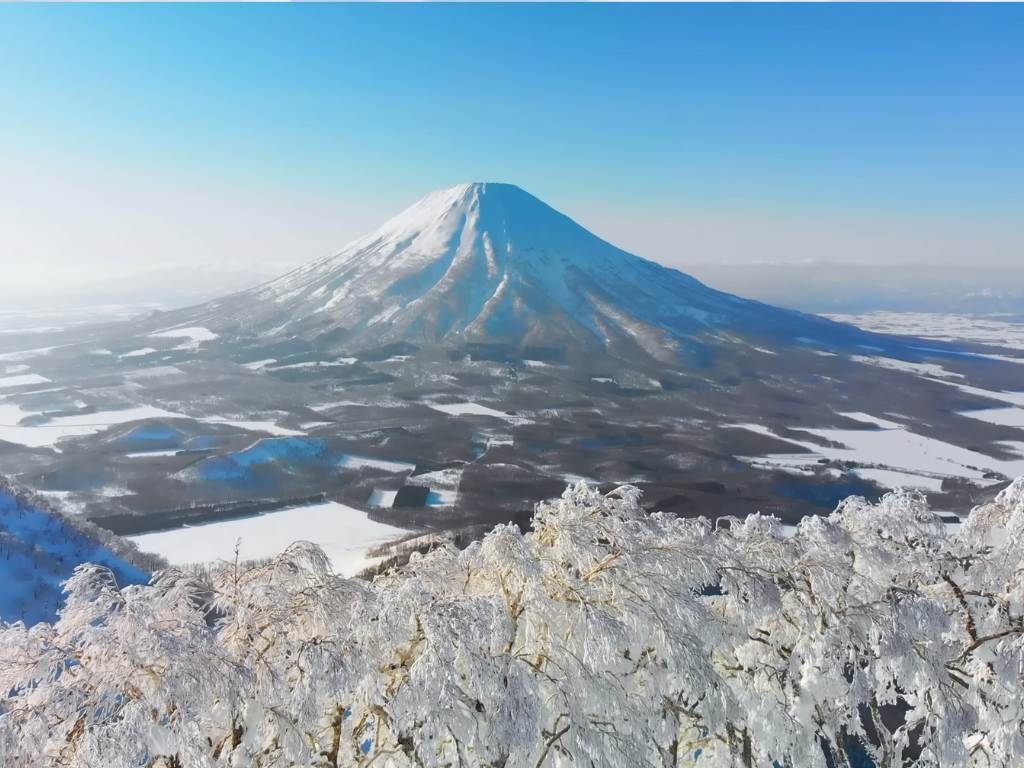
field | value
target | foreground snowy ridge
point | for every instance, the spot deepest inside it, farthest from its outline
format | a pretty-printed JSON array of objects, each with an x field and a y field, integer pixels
[{"x": 606, "y": 637}]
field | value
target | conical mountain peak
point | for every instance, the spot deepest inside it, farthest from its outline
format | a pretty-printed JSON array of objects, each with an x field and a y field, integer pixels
[
  {"x": 486, "y": 206},
  {"x": 487, "y": 262}
]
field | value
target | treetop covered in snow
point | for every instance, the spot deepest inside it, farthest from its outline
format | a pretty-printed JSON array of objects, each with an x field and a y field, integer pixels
[{"x": 604, "y": 637}]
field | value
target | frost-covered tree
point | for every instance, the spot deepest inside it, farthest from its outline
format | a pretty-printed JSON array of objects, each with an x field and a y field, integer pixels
[{"x": 604, "y": 637}]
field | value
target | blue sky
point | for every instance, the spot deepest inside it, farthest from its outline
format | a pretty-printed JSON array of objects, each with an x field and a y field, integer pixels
[{"x": 822, "y": 131}]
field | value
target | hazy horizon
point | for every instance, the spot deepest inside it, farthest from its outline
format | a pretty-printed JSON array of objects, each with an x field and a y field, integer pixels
[{"x": 689, "y": 135}]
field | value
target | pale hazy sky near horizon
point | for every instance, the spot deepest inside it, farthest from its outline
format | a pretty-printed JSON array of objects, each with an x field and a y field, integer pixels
[{"x": 260, "y": 137}]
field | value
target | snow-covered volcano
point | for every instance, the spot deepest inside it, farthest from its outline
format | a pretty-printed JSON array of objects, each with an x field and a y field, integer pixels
[{"x": 491, "y": 263}]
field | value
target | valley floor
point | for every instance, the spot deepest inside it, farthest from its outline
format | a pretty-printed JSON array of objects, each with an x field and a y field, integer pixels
[{"x": 213, "y": 438}]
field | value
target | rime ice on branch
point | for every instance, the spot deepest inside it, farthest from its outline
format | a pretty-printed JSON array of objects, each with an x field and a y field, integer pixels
[{"x": 605, "y": 637}]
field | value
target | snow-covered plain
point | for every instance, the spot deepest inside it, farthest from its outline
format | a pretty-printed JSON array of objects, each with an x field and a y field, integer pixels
[
  {"x": 358, "y": 462},
  {"x": 48, "y": 434},
  {"x": 891, "y": 478},
  {"x": 26, "y": 354},
  {"x": 1007, "y": 417},
  {"x": 875, "y": 421},
  {"x": 51, "y": 432},
  {"x": 22, "y": 380},
  {"x": 270, "y": 427},
  {"x": 1014, "y": 398},
  {"x": 991, "y": 329},
  {"x": 921, "y": 369},
  {"x": 195, "y": 334},
  {"x": 893, "y": 455},
  {"x": 343, "y": 532},
  {"x": 154, "y": 372},
  {"x": 475, "y": 409},
  {"x": 892, "y": 448}
]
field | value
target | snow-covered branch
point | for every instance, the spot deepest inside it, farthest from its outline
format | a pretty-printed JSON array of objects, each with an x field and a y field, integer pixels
[{"x": 604, "y": 637}]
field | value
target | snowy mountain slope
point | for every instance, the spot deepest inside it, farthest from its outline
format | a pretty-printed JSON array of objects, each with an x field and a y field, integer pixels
[
  {"x": 39, "y": 550},
  {"x": 490, "y": 263}
]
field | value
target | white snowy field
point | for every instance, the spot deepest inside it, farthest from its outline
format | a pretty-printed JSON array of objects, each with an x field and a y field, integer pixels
[
  {"x": 997, "y": 414},
  {"x": 889, "y": 454},
  {"x": 1007, "y": 417},
  {"x": 344, "y": 533},
  {"x": 270, "y": 427},
  {"x": 476, "y": 409},
  {"x": 892, "y": 454},
  {"x": 356, "y": 462},
  {"x": 192, "y": 337},
  {"x": 1009, "y": 335},
  {"x": 49, "y": 433},
  {"x": 985, "y": 329},
  {"x": 891, "y": 478},
  {"x": 22, "y": 380},
  {"x": 192, "y": 333}
]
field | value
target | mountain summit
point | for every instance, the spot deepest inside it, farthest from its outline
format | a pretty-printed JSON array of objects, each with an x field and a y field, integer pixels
[{"x": 488, "y": 263}]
